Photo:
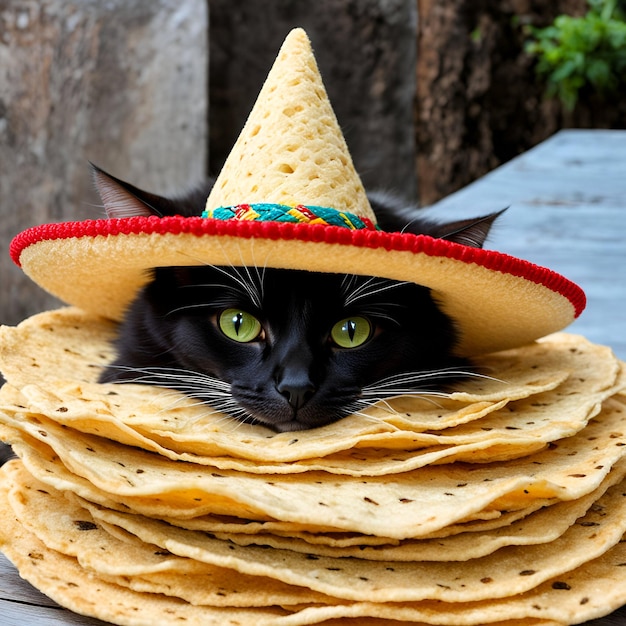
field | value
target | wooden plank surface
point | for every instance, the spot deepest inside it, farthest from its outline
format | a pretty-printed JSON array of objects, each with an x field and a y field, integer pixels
[
  {"x": 22, "y": 605},
  {"x": 567, "y": 211}
]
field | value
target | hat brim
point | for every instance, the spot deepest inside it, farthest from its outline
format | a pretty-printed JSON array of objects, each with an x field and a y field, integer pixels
[{"x": 496, "y": 301}]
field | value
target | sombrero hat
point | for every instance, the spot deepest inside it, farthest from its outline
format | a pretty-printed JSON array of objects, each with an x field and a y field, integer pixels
[{"x": 289, "y": 197}]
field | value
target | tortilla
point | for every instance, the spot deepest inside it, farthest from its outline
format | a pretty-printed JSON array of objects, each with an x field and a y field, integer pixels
[
  {"x": 571, "y": 597},
  {"x": 70, "y": 529},
  {"x": 394, "y": 581},
  {"x": 63, "y": 580},
  {"x": 544, "y": 526},
  {"x": 474, "y": 510},
  {"x": 399, "y": 506},
  {"x": 70, "y": 347},
  {"x": 363, "y": 461}
]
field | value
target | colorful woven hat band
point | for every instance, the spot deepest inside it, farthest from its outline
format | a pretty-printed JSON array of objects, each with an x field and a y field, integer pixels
[{"x": 297, "y": 214}]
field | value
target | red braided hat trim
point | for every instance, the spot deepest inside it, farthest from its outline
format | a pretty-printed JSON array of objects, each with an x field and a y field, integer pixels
[{"x": 401, "y": 242}]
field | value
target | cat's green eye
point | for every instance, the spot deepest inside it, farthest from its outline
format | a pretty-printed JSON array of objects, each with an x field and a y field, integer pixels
[
  {"x": 351, "y": 332},
  {"x": 239, "y": 325}
]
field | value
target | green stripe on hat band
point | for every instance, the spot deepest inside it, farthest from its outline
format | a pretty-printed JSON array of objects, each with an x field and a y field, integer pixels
[{"x": 268, "y": 212}]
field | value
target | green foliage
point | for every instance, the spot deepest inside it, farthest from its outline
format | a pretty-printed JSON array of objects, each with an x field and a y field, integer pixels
[{"x": 578, "y": 52}]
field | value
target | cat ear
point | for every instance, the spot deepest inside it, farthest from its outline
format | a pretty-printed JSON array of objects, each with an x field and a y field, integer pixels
[
  {"x": 395, "y": 215},
  {"x": 121, "y": 199},
  {"x": 472, "y": 232}
]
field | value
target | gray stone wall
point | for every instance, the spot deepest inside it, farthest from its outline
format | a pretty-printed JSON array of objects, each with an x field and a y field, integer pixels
[{"x": 122, "y": 83}]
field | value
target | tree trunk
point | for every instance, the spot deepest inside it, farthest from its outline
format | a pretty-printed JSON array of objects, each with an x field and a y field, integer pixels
[{"x": 479, "y": 103}]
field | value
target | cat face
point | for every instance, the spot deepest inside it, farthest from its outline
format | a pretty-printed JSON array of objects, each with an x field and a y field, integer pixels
[{"x": 287, "y": 349}]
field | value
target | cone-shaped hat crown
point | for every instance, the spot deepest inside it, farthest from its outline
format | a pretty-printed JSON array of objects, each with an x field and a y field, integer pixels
[{"x": 291, "y": 150}]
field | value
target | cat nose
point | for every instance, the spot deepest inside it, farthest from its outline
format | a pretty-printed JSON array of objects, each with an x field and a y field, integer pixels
[{"x": 297, "y": 394}]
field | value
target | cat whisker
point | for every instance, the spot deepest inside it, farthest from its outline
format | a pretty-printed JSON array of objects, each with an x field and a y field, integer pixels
[
  {"x": 366, "y": 416},
  {"x": 378, "y": 313},
  {"x": 408, "y": 378},
  {"x": 212, "y": 393},
  {"x": 412, "y": 377},
  {"x": 428, "y": 397},
  {"x": 378, "y": 403},
  {"x": 173, "y": 371},
  {"x": 223, "y": 297},
  {"x": 359, "y": 291},
  {"x": 203, "y": 305},
  {"x": 260, "y": 277},
  {"x": 410, "y": 384},
  {"x": 187, "y": 402},
  {"x": 224, "y": 414},
  {"x": 397, "y": 392},
  {"x": 371, "y": 287},
  {"x": 346, "y": 282},
  {"x": 210, "y": 409},
  {"x": 178, "y": 380},
  {"x": 199, "y": 383},
  {"x": 177, "y": 399},
  {"x": 251, "y": 288},
  {"x": 236, "y": 418},
  {"x": 219, "y": 415},
  {"x": 254, "y": 289},
  {"x": 352, "y": 294}
]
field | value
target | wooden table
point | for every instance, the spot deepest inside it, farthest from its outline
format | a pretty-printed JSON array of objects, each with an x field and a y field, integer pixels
[
  {"x": 567, "y": 211},
  {"x": 567, "y": 201}
]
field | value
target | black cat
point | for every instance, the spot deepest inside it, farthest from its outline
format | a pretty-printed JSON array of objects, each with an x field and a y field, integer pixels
[{"x": 287, "y": 349}]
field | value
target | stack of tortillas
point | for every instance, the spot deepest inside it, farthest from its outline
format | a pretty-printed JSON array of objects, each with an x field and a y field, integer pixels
[{"x": 502, "y": 502}]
